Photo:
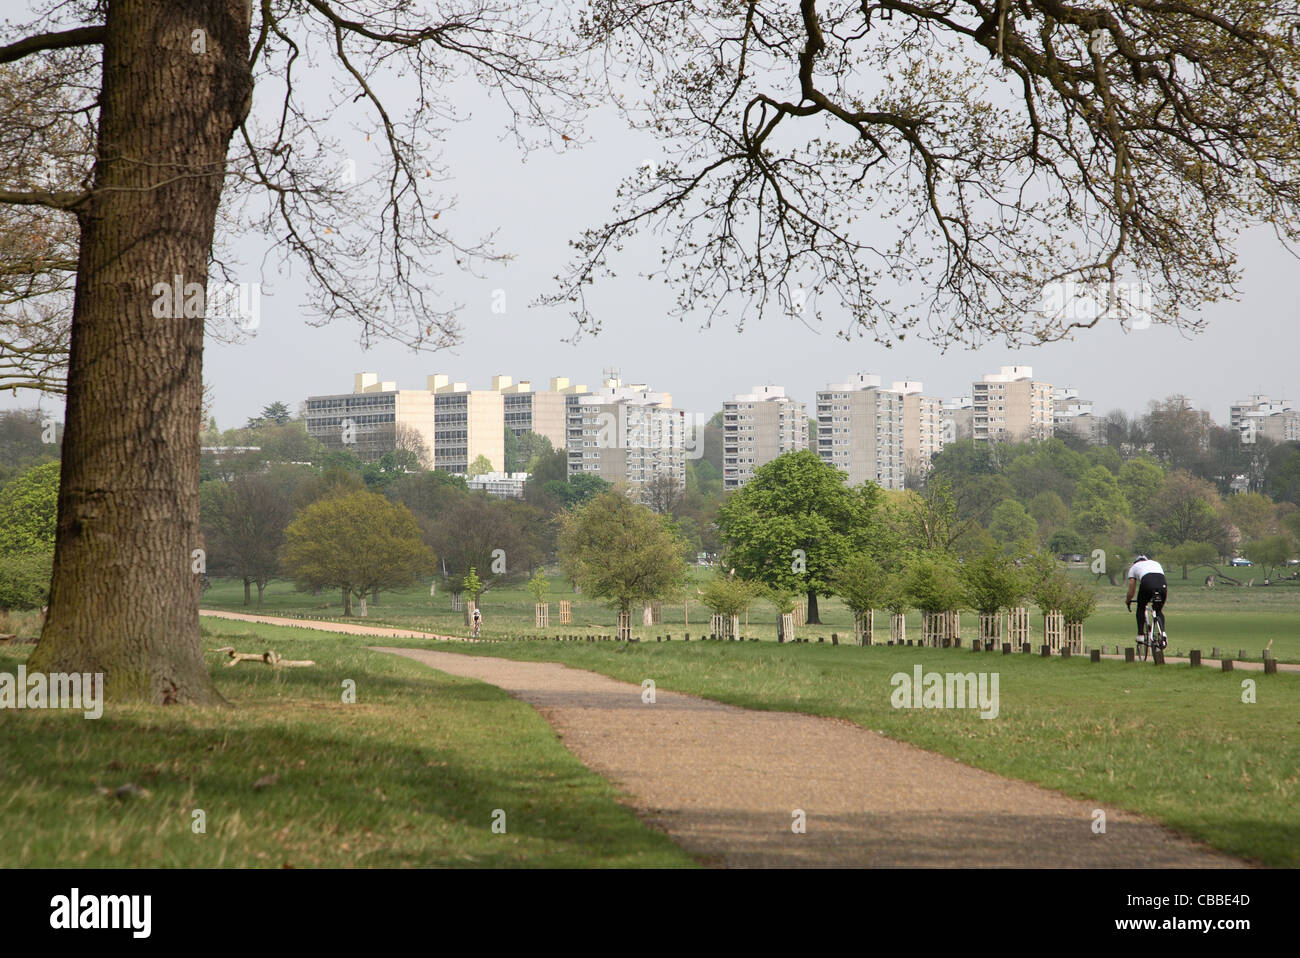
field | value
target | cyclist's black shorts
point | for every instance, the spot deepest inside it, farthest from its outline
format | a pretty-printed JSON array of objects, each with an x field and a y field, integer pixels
[{"x": 1153, "y": 589}]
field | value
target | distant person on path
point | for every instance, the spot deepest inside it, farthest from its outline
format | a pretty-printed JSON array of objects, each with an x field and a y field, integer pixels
[
  {"x": 1146, "y": 577},
  {"x": 478, "y": 620}
]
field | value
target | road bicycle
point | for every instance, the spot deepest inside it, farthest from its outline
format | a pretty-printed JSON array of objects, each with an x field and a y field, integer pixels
[{"x": 1155, "y": 639}]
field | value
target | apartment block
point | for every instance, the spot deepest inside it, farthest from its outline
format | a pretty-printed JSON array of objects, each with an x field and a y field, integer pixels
[
  {"x": 371, "y": 419},
  {"x": 1011, "y": 406},
  {"x": 503, "y": 485},
  {"x": 626, "y": 434},
  {"x": 958, "y": 418},
  {"x": 1076, "y": 416},
  {"x": 923, "y": 434},
  {"x": 860, "y": 431},
  {"x": 758, "y": 426},
  {"x": 1260, "y": 416},
  {"x": 542, "y": 411},
  {"x": 468, "y": 423}
]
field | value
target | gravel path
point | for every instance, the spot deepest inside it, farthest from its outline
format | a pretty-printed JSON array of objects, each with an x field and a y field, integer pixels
[
  {"x": 347, "y": 627},
  {"x": 725, "y": 783}
]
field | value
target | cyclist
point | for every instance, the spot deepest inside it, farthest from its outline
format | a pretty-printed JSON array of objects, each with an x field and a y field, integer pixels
[
  {"x": 1146, "y": 578},
  {"x": 478, "y": 621}
]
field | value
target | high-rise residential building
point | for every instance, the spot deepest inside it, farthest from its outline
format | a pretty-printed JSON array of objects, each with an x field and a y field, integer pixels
[
  {"x": 758, "y": 426},
  {"x": 1011, "y": 406},
  {"x": 1074, "y": 415},
  {"x": 860, "y": 431},
  {"x": 958, "y": 415},
  {"x": 542, "y": 411},
  {"x": 626, "y": 434},
  {"x": 1260, "y": 416},
  {"x": 468, "y": 423},
  {"x": 922, "y": 426},
  {"x": 373, "y": 419}
]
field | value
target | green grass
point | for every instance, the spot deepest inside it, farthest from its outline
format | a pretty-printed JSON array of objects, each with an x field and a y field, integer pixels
[
  {"x": 1174, "y": 743},
  {"x": 410, "y": 775},
  {"x": 1231, "y": 618}
]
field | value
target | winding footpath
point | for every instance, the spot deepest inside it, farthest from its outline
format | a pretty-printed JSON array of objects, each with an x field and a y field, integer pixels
[{"x": 729, "y": 784}]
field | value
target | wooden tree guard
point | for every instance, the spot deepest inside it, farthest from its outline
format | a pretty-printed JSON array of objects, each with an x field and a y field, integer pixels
[
  {"x": 715, "y": 624},
  {"x": 543, "y": 613},
  {"x": 456, "y": 602},
  {"x": 272, "y": 659},
  {"x": 952, "y": 626},
  {"x": 470, "y": 605},
  {"x": 1018, "y": 627},
  {"x": 863, "y": 627},
  {"x": 990, "y": 628},
  {"x": 566, "y": 612},
  {"x": 1074, "y": 636},
  {"x": 800, "y": 612},
  {"x": 624, "y": 626},
  {"x": 1053, "y": 630},
  {"x": 785, "y": 627},
  {"x": 898, "y": 629},
  {"x": 656, "y": 613},
  {"x": 931, "y": 628}
]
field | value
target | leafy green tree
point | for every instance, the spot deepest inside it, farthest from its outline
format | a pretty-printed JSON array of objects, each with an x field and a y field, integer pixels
[
  {"x": 1013, "y": 528},
  {"x": 1078, "y": 602},
  {"x": 276, "y": 413},
  {"x": 1140, "y": 481},
  {"x": 1187, "y": 510},
  {"x": 1254, "y": 515},
  {"x": 1050, "y": 512},
  {"x": 1049, "y": 466},
  {"x": 1282, "y": 475},
  {"x": 861, "y": 582},
  {"x": 991, "y": 582},
  {"x": 243, "y": 523},
  {"x": 358, "y": 542},
  {"x": 621, "y": 552},
  {"x": 498, "y": 536},
  {"x": 1066, "y": 542},
  {"x": 29, "y": 510},
  {"x": 728, "y": 595},
  {"x": 795, "y": 523},
  {"x": 932, "y": 584},
  {"x": 1270, "y": 552},
  {"x": 1098, "y": 501},
  {"x": 1188, "y": 554},
  {"x": 472, "y": 585},
  {"x": 479, "y": 466},
  {"x": 539, "y": 586},
  {"x": 25, "y": 579}
]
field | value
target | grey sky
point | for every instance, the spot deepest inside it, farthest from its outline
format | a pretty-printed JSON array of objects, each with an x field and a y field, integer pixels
[{"x": 538, "y": 204}]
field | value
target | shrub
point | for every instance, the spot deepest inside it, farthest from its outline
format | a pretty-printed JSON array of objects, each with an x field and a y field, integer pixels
[{"x": 25, "y": 579}]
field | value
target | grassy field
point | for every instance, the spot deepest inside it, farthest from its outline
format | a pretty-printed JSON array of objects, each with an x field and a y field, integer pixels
[
  {"x": 1174, "y": 743},
  {"x": 410, "y": 775},
  {"x": 1232, "y": 618}
]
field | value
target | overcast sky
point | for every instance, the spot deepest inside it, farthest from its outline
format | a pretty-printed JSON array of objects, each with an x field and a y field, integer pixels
[{"x": 537, "y": 205}]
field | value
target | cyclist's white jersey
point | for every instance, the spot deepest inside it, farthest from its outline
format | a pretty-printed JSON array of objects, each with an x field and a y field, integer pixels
[{"x": 1139, "y": 569}]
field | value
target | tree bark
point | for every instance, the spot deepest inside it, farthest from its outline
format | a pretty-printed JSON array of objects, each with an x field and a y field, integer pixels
[
  {"x": 123, "y": 599},
  {"x": 261, "y": 585},
  {"x": 248, "y": 595},
  {"x": 347, "y": 601},
  {"x": 812, "y": 618}
]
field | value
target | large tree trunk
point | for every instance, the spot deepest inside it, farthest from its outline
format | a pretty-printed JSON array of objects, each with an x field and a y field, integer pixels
[
  {"x": 248, "y": 595},
  {"x": 347, "y": 601},
  {"x": 123, "y": 600},
  {"x": 813, "y": 618},
  {"x": 261, "y": 586}
]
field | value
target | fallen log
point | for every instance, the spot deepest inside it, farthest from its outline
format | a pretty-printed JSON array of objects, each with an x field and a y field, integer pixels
[{"x": 272, "y": 659}]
